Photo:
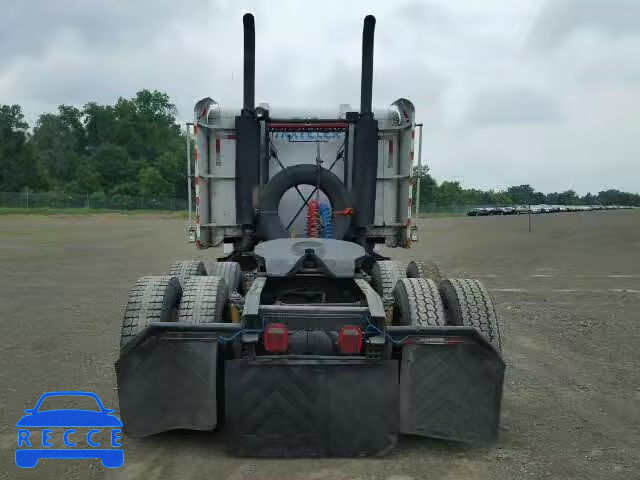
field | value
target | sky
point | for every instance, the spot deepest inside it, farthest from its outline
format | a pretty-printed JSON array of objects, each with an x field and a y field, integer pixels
[{"x": 544, "y": 92}]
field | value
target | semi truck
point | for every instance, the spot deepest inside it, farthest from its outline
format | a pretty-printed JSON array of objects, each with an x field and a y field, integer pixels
[{"x": 301, "y": 338}]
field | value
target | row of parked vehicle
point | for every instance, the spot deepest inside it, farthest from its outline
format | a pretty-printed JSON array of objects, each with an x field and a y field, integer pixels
[{"x": 523, "y": 209}]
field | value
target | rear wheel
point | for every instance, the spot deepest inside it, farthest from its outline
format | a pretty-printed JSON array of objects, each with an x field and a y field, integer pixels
[
  {"x": 417, "y": 303},
  {"x": 229, "y": 271},
  {"x": 424, "y": 269},
  {"x": 384, "y": 276},
  {"x": 467, "y": 303},
  {"x": 151, "y": 299},
  {"x": 185, "y": 269},
  {"x": 204, "y": 300}
]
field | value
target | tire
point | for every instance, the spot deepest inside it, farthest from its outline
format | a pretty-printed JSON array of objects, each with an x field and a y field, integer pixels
[
  {"x": 467, "y": 303},
  {"x": 229, "y": 271},
  {"x": 270, "y": 225},
  {"x": 204, "y": 300},
  {"x": 424, "y": 269},
  {"x": 417, "y": 303},
  {"x": 151, "y": 299},
  {"x": 384, "y": 276},
  {"x": 185, "y": 269}
]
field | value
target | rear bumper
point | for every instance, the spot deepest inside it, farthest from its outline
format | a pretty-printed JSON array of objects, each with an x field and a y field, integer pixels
[{"x": 442, "y": 382}]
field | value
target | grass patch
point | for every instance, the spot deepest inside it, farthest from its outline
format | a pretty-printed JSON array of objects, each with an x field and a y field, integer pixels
[{"x": 88, "y": 211}]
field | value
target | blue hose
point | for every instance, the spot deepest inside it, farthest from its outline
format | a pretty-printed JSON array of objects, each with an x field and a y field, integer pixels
[{"x": 327, "y": 220}]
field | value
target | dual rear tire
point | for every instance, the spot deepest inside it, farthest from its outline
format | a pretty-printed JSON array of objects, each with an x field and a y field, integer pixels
[
  {"x": 229, "y": 271},
  {"x": 187, "y": 295},
  {"x": 151, "y": 299},
  {"x": 467, "y": 303},
  {"x": 417, "y": 303},
  {"x": 427, "y": 299}
]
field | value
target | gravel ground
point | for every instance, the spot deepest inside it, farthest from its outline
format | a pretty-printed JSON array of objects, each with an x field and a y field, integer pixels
[{"x": 568, "y": 295}]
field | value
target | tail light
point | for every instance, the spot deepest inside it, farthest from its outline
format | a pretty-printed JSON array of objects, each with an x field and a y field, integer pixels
[
  {"x": 350, "y": 340},
  {"x": 276, "y": 338}
]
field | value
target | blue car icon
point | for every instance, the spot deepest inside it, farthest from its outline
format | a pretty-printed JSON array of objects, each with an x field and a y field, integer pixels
[{"x": 29, "y": 452}]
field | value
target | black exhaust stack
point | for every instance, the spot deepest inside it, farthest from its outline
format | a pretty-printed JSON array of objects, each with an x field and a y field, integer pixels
[
  {"x": 249, "y": 72},
  {"x": 365, "y": 160},
  {"x": 248, "y": 137},
  {"x": 366, "y": 84}
]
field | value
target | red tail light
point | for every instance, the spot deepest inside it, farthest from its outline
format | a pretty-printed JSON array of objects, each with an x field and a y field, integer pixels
[
  {"x": 350, "y": 340},
  {"x": 276, "y": 338}
]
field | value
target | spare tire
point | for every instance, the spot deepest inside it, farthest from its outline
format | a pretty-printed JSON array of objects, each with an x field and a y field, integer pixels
[{"x": 270, "y": 225}]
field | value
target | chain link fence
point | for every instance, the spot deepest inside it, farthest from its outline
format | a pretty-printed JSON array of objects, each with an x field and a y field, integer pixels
[{"x": 103, "y": 201}]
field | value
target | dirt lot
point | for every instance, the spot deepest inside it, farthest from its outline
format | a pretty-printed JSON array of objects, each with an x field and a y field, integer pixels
[{"x": 568, "y": 295}]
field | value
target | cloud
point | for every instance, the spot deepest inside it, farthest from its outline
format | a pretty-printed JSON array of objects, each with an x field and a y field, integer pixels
[
  {"x": 424, "y": 14},
  {"x": 31, "y": 28},
  {"x": 560, "y": 19},
  {"x": 512, "y": 106},
  {"x": 564, "y": 72}
]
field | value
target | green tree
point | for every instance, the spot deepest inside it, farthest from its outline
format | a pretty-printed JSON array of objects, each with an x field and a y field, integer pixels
[
  {"x": 520, "y": 194},
  {"x": 99, "y": 124},
  {"x": 552, "y": 198},
  {"x": 152, "y": 183},
  {"x": 428, "y": 185},
  {"x": 18, "y": 164},
  {"x": 449, "y": 193},
  {"x": 87, "y": 179},
  {"x": 113, "y": 164},
  {"x": 57, "y": 149},
  {"x": 568, "y": 197},
  {"x": 616, "y": 197},
  {"x": 538, "y": 198}
]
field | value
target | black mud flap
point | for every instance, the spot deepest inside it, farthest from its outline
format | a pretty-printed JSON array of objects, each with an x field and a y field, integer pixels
[
  {"x": 451, "y": 391},
  {"x": 167, "y": 380},
  {"x": 311, "y": 407}
]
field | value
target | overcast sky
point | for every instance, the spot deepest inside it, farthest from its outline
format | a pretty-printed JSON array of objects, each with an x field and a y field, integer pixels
[{"x": 545, "y": 92}]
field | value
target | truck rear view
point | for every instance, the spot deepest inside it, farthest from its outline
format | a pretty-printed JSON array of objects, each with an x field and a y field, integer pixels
[{"x": 302, "y": 340}]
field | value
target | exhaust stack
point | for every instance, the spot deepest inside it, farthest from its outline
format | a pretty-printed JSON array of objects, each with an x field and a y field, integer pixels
[
  {"x": 247, "y": 140},
  {"x": 366, "y": 85},
  {"x": 249, "y": 72},
  {"x": 365, "y": 155}
]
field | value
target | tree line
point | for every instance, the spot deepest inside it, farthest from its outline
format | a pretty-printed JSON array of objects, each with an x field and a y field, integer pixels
[
  {"x": 453, "y": 193},
  {"x": 135, "y": 147}
]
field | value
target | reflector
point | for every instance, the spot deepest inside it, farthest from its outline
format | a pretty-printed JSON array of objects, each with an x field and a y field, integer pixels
[
  {"x": 350, "y": 340},
  {"x": 276, "y": 338}
]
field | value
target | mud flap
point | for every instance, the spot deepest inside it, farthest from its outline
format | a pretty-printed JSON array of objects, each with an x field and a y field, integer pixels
[
  {"x": 168, "y": 381},
  {"x": 311, "y": 407},
  {"x": 451, "y": 391}
]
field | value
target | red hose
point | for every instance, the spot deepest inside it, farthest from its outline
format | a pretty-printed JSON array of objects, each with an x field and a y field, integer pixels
[{"x": 313, "y": 219}]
